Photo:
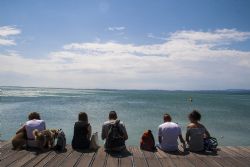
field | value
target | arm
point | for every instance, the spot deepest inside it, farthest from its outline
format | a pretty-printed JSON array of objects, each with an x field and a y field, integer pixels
[
  {"x": 182, "y": 141},
  {"x": 159, "y": 135},
  {"x": 159, "y": 139},
  {"x": 89, "y": 132},
  {"x": 207, "y": 133},
  {"x": 43, "y": 124},
  {"x": 125, "y": 133},
  {"x": 21, "y": 129},
  {"x": 187, "y": 135},
  {"x": 103, "y": 133}
]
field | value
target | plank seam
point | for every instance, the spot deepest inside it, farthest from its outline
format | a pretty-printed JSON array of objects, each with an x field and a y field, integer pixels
[
  {"x": 145, "y": 159},
  {"x": 92, "y": 160},
  {"x": 78, "y": 160},
  {"x": 26, "y": 153}
]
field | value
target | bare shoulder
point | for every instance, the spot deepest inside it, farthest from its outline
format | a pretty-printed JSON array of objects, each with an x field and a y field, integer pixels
[{"x": 191, "y": 125}]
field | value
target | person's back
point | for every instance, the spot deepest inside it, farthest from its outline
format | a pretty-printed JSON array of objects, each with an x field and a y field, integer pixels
[
  {"x": 33, "y": 124},
  {"x": 196, "y": 132},
  {"x": 196, "y": 141},
  {"x": 168, "y": 134},
  {"x": 169, "y": 131},
  {"x": 82, "y": 132},
  {"x": 115, "y": 133}
]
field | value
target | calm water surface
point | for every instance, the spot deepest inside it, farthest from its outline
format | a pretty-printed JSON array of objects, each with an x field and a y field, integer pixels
[{"x": 226, "y": 114}]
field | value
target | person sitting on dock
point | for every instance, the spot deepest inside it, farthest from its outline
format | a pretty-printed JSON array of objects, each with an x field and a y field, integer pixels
[
  {"x": 82, "y": 132},
  {"x": 115, "y": 133},
  {"x": 196, "y": 132},
  {"x": 25, "y": 134},
  {"x": 168, "y": 134}
]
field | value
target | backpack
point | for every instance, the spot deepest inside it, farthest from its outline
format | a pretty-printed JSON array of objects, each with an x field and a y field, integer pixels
[
  {"x": 61, "y": 141},
  {"x": 147, "y": 141},
  {"x": 115, "y": 137},
  {"x": 210, "y": 144}
]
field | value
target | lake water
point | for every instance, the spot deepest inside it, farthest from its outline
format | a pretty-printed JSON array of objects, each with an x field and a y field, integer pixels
[{"x": 226, "y": 114}]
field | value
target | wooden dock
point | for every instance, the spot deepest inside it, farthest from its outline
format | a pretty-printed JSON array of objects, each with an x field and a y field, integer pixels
[{"x": 226, "y": 156}]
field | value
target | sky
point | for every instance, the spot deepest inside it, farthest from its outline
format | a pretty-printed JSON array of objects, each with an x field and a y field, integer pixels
[{"x": 125, "y": 44}]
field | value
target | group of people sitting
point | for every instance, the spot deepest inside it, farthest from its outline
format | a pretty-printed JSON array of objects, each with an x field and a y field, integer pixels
[{"x": 113, "y": 132}]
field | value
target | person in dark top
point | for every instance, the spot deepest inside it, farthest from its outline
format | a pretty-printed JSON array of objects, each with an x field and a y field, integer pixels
[{"x": 82, "y": 132}]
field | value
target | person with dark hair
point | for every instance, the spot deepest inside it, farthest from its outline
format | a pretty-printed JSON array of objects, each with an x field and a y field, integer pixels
[
  {"x": 168, "y": 133},
  {"x": 196, "y": 132},
  {"x": 25, "y": 134},
  {"x": 82, "y": 132},
  {"x": 114, "y": 133}
]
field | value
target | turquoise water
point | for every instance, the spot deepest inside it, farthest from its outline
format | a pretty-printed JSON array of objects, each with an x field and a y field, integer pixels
[{"x": 225, "y": 113}]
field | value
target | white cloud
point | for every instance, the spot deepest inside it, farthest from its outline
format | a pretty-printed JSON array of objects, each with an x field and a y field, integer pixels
[
  {"x": 7, "y": 42},
  {"x": 7, "y": 31},
  {"x": 116, "y": 28},
  {"x": 218, "y": 36},
  {"x": 151, "y": 35},
  {"x": 186, "y": 60}
]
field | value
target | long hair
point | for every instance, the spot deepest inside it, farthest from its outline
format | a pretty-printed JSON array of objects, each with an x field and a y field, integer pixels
[{"x": 83, "y": 117}]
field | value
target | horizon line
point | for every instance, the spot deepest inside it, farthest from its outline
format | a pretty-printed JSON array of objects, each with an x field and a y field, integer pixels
[{"x": 230, "y": 89}]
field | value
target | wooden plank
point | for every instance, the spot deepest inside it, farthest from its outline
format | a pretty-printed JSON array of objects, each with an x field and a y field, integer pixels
[
  {"x": 6, "y": 153},
  {"x": 59, "y": 158},
  {"x": 46, "y": 159},
  {"x": 112, "y": 161},
  {"x": 138, "y": 158},
  {"x": 6, "y": 150},
  {"x": 207, "y": 158},
  {"x": 239, "y": 151},
  {"x": 5, "y": 144},
  {"x": 196, "y": 162},
  {"x": 178, "y": 158},
  {"x": 72, "y": 159},
  {"x": 242, "y": 161},
  {"x": 37, "y": 159},
  {"x": 209, "y": 161},
  {"x": 164, "y": 158},
  {"x": 87, "y": 159},
  {"x": 182, "y": 162},
  {"x": 126, "y": 159},
  {"x": 10, "y": 159},
  {"x": 100, "y": 158},
  {"x": 24, "y": 160},
  {"x": 151, "y": 159},
  {"x": 226, "y": 161},
  {"x": 191, "y": 158},
  {"x": 227, "y": 156},
  {"x": 244, "y": 149}
]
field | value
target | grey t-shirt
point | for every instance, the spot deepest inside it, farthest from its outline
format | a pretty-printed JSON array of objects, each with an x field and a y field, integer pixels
[{"x": 196, "y": 138}]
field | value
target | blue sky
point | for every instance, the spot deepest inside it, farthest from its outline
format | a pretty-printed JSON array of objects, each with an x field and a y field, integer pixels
[{"x": 125, "y": 44}]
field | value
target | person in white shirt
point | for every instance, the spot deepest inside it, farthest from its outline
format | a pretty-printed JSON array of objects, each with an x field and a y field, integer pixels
[
  {"x": 168, "y": 133},
  {"x": 24, "y": 135}
]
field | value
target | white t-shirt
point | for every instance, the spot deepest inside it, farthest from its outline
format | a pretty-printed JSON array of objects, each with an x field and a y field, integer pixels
[
  {"x": 169, "y": 132},
  {"x": 32, "y": 125}
]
